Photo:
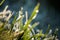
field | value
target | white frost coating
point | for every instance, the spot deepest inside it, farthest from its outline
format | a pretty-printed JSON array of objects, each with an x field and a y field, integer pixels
[
  {"x": 57, "y": 39},
  {"x": 8, "y": 12},
  {"x": 18, "y": 17},
  {"x": 32, "y": 39},
  {"x": 36, "y": 14},
  {"x": 16, "y": 27},
  {"x": 26, "y": 14},
  {"x": 4, "y": 13},
  {"x": 29, "y": 25},
  {"x": 50, "y": 31},
  {"x": 37, "y": 11},
  {"x": 38, "y": 30},
  {"x": 46, "y": 39},
  {"x": 19, "y": 12},
  {"x": 5, "y": 8},
  {"x": 21, "y": 8}
]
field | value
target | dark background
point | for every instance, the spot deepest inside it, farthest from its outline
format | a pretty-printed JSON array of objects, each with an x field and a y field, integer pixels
[{"x": 49, "y": 11}]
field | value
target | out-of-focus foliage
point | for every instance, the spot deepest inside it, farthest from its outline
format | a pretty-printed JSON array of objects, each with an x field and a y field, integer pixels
[
  {"x": 19, "y": 31},
  {"x": 2, "y": 2}
]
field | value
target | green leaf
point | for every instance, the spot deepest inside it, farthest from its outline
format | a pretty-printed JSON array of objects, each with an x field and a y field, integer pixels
[
  {"x": 47, "y": 31},
  {"x": 2, "y": 2},
  {"x": 31, "y": 17}
]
